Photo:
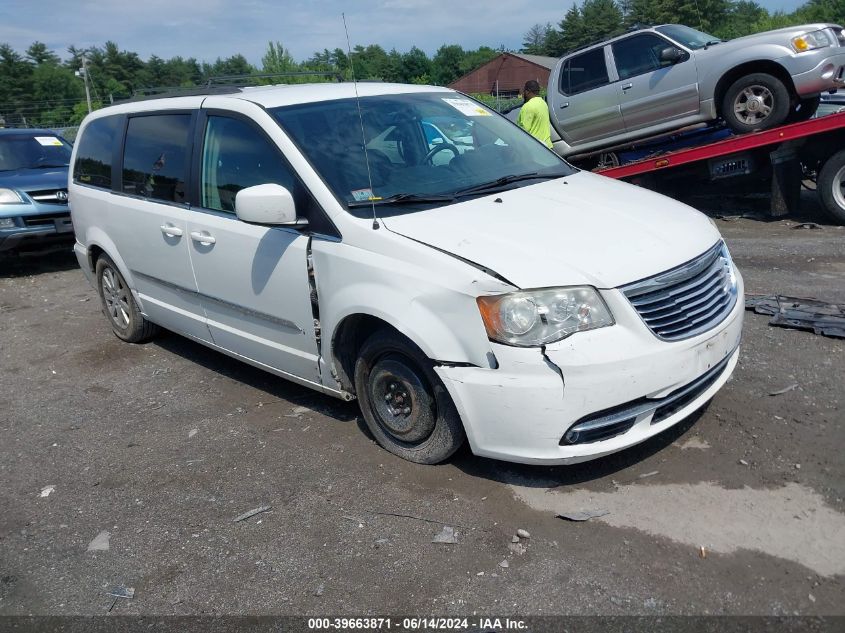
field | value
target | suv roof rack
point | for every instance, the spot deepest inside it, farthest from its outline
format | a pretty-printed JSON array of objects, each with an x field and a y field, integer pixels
[{"x": 630, "y": 29}]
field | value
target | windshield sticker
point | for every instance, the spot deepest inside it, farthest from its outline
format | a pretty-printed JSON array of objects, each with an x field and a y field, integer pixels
[
  {"x": 48, "y": 141},
  {"x": 362, "y": 195},
  {"x": 467, "y": 107}
]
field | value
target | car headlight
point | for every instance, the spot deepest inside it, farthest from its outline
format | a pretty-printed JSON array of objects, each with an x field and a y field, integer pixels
[
  {"x": 536, "y": 317},
  {"x": 10, "y": 196},
  {"x": 7, "y": 223},
  {"x": 811, "y": 41}
]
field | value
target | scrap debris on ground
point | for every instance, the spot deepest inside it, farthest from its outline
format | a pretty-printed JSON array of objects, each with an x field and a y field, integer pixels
[
  {"x": 251, "y": 513},
  {"x": 822, "y": 318},
  {"x": 584, "y": 515}
]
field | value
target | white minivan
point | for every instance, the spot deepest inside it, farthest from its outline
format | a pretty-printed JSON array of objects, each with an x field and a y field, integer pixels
[{"x": 491, "y": 292}]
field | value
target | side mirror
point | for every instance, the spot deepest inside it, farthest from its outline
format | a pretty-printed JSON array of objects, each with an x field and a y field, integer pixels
[
  {"x": 267, "y": 204},
  {"x": 671, "y": 55}
]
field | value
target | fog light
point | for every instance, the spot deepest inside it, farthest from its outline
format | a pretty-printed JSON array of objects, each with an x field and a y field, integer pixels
[{"x": 7, "y": 223}]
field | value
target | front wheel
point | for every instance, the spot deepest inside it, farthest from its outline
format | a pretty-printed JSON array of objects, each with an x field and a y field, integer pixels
[
  {"x": 831, "y": 186},
  {"x": 404, "y": 402},
  {"x": 756, "y": 102},
  {"x": 804, "y": 110}
]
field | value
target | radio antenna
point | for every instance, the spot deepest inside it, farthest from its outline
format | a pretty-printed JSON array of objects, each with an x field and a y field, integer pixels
[{"x": 361, "y": 121}]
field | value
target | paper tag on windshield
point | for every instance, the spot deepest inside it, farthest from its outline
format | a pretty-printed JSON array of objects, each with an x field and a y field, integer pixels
[
  {"x": 361, "y": 195},
  {"x": 465, "y": 106},
  {"x": 48, "y": 141}
]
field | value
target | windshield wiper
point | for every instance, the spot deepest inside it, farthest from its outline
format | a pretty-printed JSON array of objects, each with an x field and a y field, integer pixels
[
  {"x": 400, "y": 198},
  {"x": 47, "y": 166},
  {"x": 501, "y": 182},
  {"x": 711, "y": 43}
]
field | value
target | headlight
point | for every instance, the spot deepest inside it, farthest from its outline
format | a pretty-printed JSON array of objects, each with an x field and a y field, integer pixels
[
  {"x": 7, "y": 223},
  {"x": 536, "y": 317},
  {"x": 811, "y": 41},
  {"x": 10, "y": 196}
]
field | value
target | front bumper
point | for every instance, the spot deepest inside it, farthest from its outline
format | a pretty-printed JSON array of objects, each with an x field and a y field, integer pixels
[
  {"x": 35, "y": 231},
  {"x": 521, "y": 411},
  {"x": 828, "y": 73}
]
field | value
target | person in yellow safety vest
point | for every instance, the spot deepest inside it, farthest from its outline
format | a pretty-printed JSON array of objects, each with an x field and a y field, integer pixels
[{"x": 534, "y": 114}]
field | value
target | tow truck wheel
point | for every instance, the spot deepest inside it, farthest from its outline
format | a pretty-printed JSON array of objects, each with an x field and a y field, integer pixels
[
  {"x": 831, "y": 186},
  {"x": 755, "y": 102}
]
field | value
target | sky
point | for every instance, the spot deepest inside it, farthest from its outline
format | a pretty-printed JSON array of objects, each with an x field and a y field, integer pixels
[{"x": 208, "y": 29}]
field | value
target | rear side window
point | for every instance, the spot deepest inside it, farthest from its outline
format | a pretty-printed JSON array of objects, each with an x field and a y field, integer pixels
[
  {"x": 584, "y": 72},
  {"x": 155, "y": 157},
  {"x": 94, "y": 153}
]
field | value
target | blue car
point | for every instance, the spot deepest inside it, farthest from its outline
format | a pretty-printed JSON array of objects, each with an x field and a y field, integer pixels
[{"x": 34, "y": 208}]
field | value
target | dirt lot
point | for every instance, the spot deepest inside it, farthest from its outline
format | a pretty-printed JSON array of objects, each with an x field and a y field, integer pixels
[{"x": 162, "y": 445}]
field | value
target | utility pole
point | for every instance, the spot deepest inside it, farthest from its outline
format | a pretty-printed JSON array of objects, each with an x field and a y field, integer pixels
[{"x": 83, "y": 72}]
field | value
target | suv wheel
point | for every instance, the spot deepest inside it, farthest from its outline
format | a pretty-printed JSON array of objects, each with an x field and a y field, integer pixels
[
  {"x": 119, "y": 305},
  {"x": 804, "y": 109},
  {"x": 404, "y": 402},
  {"x": 756, "y": 102}
]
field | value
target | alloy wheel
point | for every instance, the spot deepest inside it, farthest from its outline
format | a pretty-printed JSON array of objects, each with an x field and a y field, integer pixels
[
  {"x": 116, "y": 297},
  {"x": 753, "y": 104}
]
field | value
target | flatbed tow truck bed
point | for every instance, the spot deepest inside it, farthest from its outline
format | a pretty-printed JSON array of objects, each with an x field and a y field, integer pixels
[{"x": 781, "y": 157}]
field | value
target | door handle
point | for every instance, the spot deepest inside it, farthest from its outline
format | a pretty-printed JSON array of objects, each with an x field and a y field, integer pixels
[
  {"x": 170, "y": 230},
  {"x": 627, "y": 86},
  {"x": 203, "y": 237},
  {"x": 563, "y": 105}
]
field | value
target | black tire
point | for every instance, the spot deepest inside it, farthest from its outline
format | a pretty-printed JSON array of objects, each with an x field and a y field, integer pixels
[
  {"x": 756, "y": 91},
  {"x": 831, "y": 186},
  {"x": 804, "y": 110},
  {"x": 119, "y": 305},
  {"x": 405, "y": 404}
]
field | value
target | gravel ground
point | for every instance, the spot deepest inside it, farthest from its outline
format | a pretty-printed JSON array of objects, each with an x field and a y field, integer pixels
[{"x": 739, "y": 510}]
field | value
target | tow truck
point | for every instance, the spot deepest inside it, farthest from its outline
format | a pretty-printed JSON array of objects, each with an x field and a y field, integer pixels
[{"x": 781, "y": 159}]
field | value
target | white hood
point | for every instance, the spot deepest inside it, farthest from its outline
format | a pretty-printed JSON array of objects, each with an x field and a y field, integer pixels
[{"x": 581, "y": 229}]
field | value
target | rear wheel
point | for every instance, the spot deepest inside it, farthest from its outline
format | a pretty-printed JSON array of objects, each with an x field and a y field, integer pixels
[
  {"x": 119, "y": 305},
  {"x": 831, "y": 186},
  {"x": 755, "y": 102},
  {"x": 404, "y": 402}
]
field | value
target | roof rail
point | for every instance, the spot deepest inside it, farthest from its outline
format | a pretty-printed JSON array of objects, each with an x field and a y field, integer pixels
[
  {"x": 145, "y": 94},
  {"x": 630, "y": 29},
  {"x": 224, "y": 84},
  {"x": 248, "y": 80}
]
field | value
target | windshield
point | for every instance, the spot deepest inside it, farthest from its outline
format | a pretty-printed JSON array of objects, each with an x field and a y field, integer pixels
[
  {"x": 688, "y": 37},
  {"x": 422, "y": 147},
  {"x": 33, "y": 151}
]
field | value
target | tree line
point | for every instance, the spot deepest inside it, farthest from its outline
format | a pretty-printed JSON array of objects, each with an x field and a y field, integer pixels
[
  {"x": 38, "y": 88},
  {"x": 594, "y": 20}
]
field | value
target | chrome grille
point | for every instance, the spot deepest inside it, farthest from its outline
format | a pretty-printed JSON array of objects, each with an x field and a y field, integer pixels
[
  {"x": 49, "y": 196},
  {"x": 687, "y": 300}
]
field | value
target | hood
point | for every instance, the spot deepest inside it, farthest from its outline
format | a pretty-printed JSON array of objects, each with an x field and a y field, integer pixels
[
  {"x": 35, "y": 179},
  {"x": 776, "y": 37},
  {"x": 583, "y": 229}
]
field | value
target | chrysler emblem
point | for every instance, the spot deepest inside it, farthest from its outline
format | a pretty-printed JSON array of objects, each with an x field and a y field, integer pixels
[{"x": 61, "y": 195}]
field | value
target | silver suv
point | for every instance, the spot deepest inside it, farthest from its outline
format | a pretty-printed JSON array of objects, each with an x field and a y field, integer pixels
[{"x": 662, "y": 78}]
